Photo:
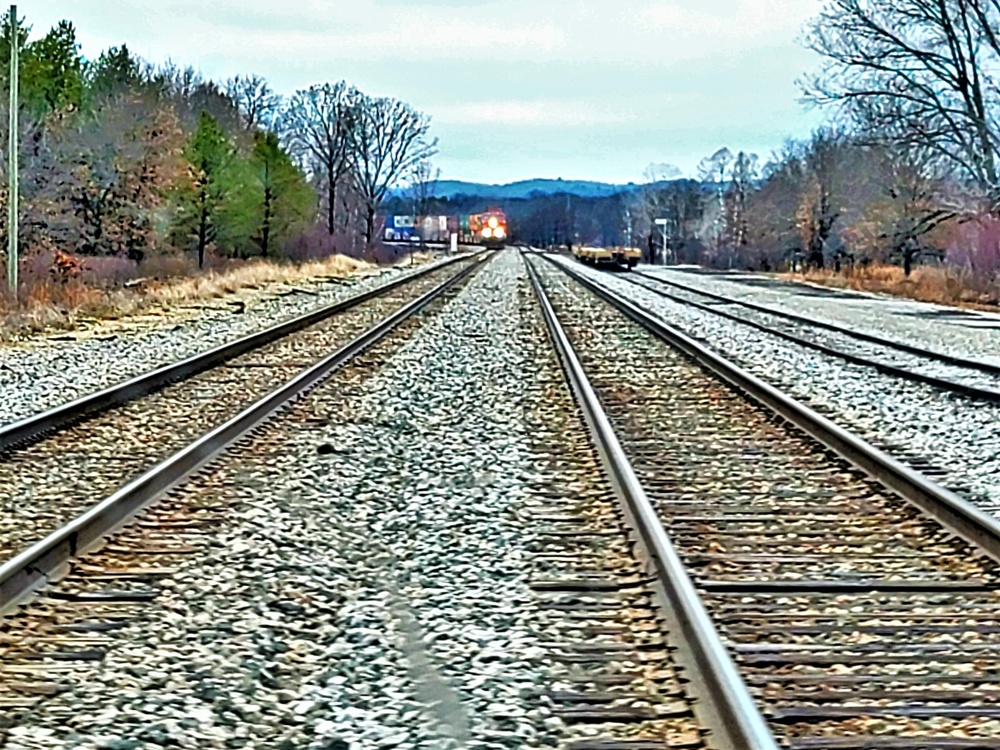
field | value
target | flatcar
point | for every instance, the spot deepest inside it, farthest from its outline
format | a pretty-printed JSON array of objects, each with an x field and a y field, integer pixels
[{"x": 623, "y": 257}]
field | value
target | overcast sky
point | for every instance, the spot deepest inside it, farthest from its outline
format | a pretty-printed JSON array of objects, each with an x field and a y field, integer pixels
[{"x": 581, "y": 89}]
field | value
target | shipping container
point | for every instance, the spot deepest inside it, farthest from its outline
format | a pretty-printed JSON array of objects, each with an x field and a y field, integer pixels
[
  {"x": 488, "y": 228},
  {"x": 433, "y": 228}
]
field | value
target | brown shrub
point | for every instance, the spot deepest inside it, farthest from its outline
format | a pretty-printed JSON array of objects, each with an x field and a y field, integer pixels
[
  {"x": 946, "y": 285},
  {"x": 46, "y": 303}
]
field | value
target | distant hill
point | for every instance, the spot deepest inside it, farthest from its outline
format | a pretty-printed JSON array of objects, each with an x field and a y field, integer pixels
[{"x": 527, "y": 189}]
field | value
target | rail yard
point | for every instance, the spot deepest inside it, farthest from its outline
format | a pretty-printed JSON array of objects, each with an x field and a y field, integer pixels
[{"x": 508, "y": 499}]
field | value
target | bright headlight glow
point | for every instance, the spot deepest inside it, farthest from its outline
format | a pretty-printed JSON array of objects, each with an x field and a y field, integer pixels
[
  {"x": 493, "y": 222},
  {"x": 487, "y": 232},
  {"x": 499, "y": 233}
]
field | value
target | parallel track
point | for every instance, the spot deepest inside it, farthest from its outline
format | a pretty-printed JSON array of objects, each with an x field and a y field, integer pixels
[
  {"x": 24, "y": 431},
  {"x": 48, "y": 480},
  {"x": 857, "y": 619},
  {"x": 972, "y": 378},
  {"x": 728, "y": 707},
  {"x": 35, "y": 565}
]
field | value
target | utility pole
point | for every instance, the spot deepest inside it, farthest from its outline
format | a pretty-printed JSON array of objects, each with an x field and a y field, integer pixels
[
  {"x": 12, "y": 142},
  {"x": 662, "y": 224}
]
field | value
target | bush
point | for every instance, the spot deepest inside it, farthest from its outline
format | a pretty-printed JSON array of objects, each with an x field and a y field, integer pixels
[
  {"x": 974, "y": 251},
  {"x": 317, "y": 243},
  {"x": 108, "y": 271}
]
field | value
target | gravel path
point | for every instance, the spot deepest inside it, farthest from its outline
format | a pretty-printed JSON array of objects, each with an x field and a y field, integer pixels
[
  {"x": 367, "y": 588},
  {"x": 956, "y": 331},
  {"x": 917, "y": 423},
  {"x": 48, "y": 372}
]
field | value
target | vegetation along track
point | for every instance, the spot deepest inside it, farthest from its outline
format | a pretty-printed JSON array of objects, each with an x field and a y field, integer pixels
[
  {"x": 47, "y": 483},
  {"x": 966, "y": 376},
  {"x": 119, "y": 598},
  {"x": 856, "y": 620}
]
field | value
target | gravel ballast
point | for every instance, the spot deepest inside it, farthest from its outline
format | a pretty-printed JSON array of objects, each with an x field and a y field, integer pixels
[
  {"x": 917, "y": 423},
  {"x": 956, "y": 331},
  {"x": 367, "y": 588},
  {"x": 44, "y": 373}
]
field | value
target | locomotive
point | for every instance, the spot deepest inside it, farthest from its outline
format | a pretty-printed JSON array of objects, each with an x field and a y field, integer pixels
[{"x": 489, "y": 229}]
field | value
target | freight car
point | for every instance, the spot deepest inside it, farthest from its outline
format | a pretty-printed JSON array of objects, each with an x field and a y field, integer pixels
[
  {"x": 623, "y": 257},
  {"x": 489, "y": 229}
]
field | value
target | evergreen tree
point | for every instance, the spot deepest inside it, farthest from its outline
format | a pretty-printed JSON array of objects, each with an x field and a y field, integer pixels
[
  {"x": 52, "y": 72},
  {"x": 200, "y": 201},
  {"x": 116, "y": 71},
  {"x": 269, "y": 198},
  {"x": 286, "y": 200}
]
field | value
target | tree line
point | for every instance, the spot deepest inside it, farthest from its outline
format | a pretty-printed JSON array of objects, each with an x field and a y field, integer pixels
[
  {"x": 905, "y": 170},
  {"x": 121, "y": 158}
]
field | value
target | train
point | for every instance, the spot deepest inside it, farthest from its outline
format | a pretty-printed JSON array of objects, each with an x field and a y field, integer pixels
[
  {"x": 623, "y": 257},
  {"x": 489, "y": 229}
]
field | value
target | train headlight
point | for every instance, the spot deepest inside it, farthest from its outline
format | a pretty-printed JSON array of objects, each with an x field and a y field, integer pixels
[
  {"x": 499, "y": 233},
  {"x": 493, "y": 222},
  {"x": 487, "y": 233}
]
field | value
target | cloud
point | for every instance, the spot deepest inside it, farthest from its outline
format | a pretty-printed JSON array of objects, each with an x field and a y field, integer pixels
[
  {"x": 515, "y": 88},
  {"x": 741, "y": 20},
  {"x": 532, "y": 114},
  {"x": 449, "y": 40}
]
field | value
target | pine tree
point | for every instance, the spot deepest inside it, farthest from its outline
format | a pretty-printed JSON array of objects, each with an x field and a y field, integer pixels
[{"x": 210, "y": 155}]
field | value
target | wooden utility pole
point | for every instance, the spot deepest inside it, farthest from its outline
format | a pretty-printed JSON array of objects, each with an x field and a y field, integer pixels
[{"x": 12, "y": 142}]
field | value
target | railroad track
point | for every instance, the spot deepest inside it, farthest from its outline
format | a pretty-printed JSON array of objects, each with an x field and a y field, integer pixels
[
  {"x": 29, "y": 429},
  {"x": 856, "y": 619},
  {"x": 63, "y": 492},
  {"x": 617, "y": 680},
  {"x": 972, "y": 378}
]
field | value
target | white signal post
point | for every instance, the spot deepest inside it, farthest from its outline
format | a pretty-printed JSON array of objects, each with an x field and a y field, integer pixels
[
  {"x": 662, "y": 224},
  {"x": 12, "y": 141}
]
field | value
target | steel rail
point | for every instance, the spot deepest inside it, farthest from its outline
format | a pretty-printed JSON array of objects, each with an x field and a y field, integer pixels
[
  {"x": 987, "y": 394},
  {"x": 970, "y": 364},
  {"x": 956, "y": 514},
  {"x": 736, "y": 720},
  {"x": 36, "y": 565},
  {"x": 31, "y": 428}
]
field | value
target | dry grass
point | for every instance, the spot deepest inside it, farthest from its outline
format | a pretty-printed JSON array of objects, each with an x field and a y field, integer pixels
[
  {"x": 252, "y": 275},
  {"x": 945, "y": 286},
  {"x": 50, "y": 306}
]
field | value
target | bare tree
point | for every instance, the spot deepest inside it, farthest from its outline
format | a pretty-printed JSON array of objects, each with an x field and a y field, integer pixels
[
  {"x": 256, "y": 100},
  {"x": 318, "y": 124},
  {"x": 920, "y": 72},
  {"x": 714, "y": 169},
  {"x": 648, "y": 204},
  {"x": 818, "y": 209},
  {"x": 422, "y": 179},
  {"x": 191, "y": 94},
  {"x": 909, "y": 206},
  {"x": 661, "y": 172},
  {"x": 744, "y": 176},
  {"x": 664, "y": 196},
  {"x": 388, "y": 140}
]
